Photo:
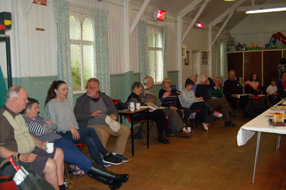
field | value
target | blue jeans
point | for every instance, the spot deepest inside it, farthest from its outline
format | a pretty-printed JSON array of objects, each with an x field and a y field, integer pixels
[
  {"x": 73, "y": 155},
  {"x": 89, "y": 137}
]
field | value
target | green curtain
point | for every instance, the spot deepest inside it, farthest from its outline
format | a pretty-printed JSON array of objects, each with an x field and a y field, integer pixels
[
  {"x": 101, "y": 49},
  {"x": 3, "y": 89},
  {"x": 142, "y": 52},
  {"x": 61, "y": 10},
  {"x": 165, "y": 39}
]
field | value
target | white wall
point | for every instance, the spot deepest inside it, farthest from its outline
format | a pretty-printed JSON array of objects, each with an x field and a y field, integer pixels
[{"x": 258, "y": 28}]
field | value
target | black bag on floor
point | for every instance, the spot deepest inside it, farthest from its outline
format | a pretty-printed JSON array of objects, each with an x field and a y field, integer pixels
[
  {"x": 255, "y": 107},
  {"x": 26, "y": 178}
]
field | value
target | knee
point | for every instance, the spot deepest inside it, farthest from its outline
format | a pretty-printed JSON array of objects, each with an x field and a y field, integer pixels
[
  {"x": 50, "y": 167},
  {"x": 59, "y": 154},
  {"x": 125, "y": 130}
]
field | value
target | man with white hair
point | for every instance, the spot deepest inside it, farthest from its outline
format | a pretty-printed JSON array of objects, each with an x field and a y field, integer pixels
[
  {"x": 16, "y": 140},
  {"x": 149, "y": 98},
  {"x": 220, "y": 101}
]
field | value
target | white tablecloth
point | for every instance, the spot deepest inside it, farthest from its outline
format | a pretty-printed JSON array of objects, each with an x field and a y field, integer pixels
[{"x": 260, "y": 123}]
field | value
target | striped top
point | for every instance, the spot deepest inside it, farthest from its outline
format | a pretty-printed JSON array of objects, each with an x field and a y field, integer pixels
[{"x": 42, "y": 130}]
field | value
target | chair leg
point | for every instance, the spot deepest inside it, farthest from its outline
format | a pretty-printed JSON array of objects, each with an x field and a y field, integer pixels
[
  {"x": 66, "y": 170},
  {"x": 141, "y": 129},
  {"x": 154, "y": 131}
]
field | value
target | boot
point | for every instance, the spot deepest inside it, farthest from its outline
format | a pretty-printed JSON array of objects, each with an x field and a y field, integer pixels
[
  {"x": 96, "y": 170},
  {"x": 113, "y": 185}
]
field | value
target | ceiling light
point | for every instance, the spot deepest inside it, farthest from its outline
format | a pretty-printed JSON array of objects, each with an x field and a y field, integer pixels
[{"x": 266, "y": 10}]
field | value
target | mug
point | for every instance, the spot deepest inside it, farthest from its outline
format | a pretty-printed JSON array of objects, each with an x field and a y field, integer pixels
[
  {"x": 138, "y": 106},
  {"x": 50, "y": 147},
  {"x": 131, "y": 106},
  {"x": 238, "y": 96}
]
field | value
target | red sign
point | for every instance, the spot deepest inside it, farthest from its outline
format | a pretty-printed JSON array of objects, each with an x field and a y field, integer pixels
[
  {"x": 161, "y": 15},
  {"x": 40, "y": 2}
]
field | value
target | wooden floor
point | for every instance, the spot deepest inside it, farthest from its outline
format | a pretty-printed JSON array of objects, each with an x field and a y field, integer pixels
[{"x": 208, "y": 160}]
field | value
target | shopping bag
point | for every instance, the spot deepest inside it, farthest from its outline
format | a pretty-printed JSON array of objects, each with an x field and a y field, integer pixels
[{"x": 26, "y": 178}]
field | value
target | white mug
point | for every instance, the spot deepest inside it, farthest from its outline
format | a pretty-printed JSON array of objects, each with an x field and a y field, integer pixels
[
  {"x": 131, "y": 106},
  {"x": 50, "y": 147},
  {"x": 238, "y": 96},
  {"x": 138, "y": 106}
]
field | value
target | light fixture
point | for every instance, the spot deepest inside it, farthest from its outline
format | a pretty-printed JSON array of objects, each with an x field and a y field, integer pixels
[
  {"x": 266, "y": 10},
  {"x": 199, "y": 25}
]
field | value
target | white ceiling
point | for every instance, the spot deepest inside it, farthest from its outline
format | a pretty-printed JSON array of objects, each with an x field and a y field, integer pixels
[{"x": 213, "y": 9}]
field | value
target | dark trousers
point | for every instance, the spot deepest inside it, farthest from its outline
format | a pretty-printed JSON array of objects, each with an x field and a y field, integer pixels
[
  {"x": 89, "y": 137},
  {"x": 204, "y": 108},
  {"x": 158, "y": 116},
  {"x": 184, "y": 115}
]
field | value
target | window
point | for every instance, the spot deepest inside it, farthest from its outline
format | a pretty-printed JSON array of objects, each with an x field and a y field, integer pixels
[
  {"x": 155, "y": 54},
  {"x": 82, "y": 51}
]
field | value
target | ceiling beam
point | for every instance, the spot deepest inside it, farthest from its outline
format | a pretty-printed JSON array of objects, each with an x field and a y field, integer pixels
[
  {"x": 222, "y": 27},
  {"x": 263, "y": 6},
  {"x": 221, "y": 17},
  {"x": 139, "y": 15},
  {"x": 195, "y": 19},
  {"x": 189, "y": 8}
]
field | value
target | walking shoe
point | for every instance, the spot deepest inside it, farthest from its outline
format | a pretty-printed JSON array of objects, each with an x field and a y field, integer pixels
[
  {"x": 229, "y": 124},
  {"x": 217, "y": 114},
  {"x": 189, "y": 129},
  {"x": 106, "y": 164},
  {"x": 114, "y": 125},
  {"x": 183, "y": 134},
  {"x": 206, "y": 126},
  {"x": 124, "y": 159},
  {"x": 111, "y": 159}
]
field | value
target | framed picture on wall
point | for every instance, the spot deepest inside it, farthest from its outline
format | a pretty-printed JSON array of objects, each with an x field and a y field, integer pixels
[
  {"x": 184, "y": 49},
  {"x": 187, "y": 59},
  {"x": 205, "y": 57}
]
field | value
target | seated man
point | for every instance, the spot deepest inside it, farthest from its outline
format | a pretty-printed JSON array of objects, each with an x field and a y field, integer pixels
[
  {"x": 91, "y": 110},
  {"x": 157, "y": 115},
  {"x": 15, "y": 139},
  {"x": 215, "y": 98},
  {"x": 232, "y": 91},
  {"x": 148, "y": 98}
]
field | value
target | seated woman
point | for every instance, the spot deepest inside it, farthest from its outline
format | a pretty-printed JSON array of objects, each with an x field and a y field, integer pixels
[
  {"x": 252, "y": 86},
  {"x": 192, "y": 102},
  {"x": 158, "y": 115},
  {"x": 172, "y": 101},
  {"x": 43, "y": 130},
  {"x": 60, "y": 111}
]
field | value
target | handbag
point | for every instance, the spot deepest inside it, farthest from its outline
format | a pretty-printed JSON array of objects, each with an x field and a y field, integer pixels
[{"x": 26, "y": 178}]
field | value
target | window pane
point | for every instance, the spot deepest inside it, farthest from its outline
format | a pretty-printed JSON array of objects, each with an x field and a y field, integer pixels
[
  {"x": 88, "y": 62},
  {"x": 159, "y": 42},
  {"x": 151, "y": 68},
  {"x": 87, "y": 30},
  {"x": 151, "y": 40},
  {"x": 159, "y": 66},
  {"x": 74, "y": 28},
  {"x": 76, "y": 68}
]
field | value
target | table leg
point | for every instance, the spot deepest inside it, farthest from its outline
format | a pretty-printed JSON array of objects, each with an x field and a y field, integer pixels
[
  {"x": 132, "y": 135},
  {"x": 278, "y": 142},
  {"x": 147, "y": 128},
  {"x": 256, "y": 154}
]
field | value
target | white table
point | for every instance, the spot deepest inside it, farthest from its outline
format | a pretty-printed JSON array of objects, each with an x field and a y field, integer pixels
[{"x": 259, "y": 124}]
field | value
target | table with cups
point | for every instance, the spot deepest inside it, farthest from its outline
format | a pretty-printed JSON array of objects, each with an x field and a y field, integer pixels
[
  {"x": 260, "y": 124},
  {"x": 133, "y": 109}
]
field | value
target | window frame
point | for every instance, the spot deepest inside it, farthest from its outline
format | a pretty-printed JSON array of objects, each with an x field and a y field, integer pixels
[
  {"x": 160, "y": 29},
  {"x": 81, "y": 17}
]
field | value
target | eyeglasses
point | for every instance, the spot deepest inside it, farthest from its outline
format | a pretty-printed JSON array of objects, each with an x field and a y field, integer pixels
[{"x": 91, "y": 88}]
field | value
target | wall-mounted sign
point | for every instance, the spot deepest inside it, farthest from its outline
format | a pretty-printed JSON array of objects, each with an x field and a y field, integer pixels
[{"x": 40, "y": 2}]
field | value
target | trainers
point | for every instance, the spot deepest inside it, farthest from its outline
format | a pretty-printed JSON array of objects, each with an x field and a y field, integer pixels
[
  {"x": 184, "y": 135},
  {"x": 217, "y": 114},
  {"x": 206, "y": 126},
  {"x": 106, "y": 164},
  {"x": 189, "y": 129},
  {"x": 229, "y": 124},
  {"x": 124, "y": 159},
  {"x": 110, "y": 159}
]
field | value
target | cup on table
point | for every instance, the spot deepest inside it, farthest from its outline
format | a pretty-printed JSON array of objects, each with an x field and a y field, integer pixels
[
  {"x": 131, "y": 106},
  {"x": 238, "y": 96},
  {"x": 138, "y": 106},
  {"x": 50, "y": 147}
]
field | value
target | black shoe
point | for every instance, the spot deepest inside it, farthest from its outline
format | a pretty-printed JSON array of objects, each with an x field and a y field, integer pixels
[
  {"x": 111, "y": 159},
  {"x": 229, "y": 124},
  {"x": 164, "y": 141}
]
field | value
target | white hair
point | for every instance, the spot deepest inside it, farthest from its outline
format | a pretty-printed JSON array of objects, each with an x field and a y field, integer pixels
[
  {"x": 12, "y": 93},
  {"x": 146, "y": 79},
  {"x": 202, "y": 78}
]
